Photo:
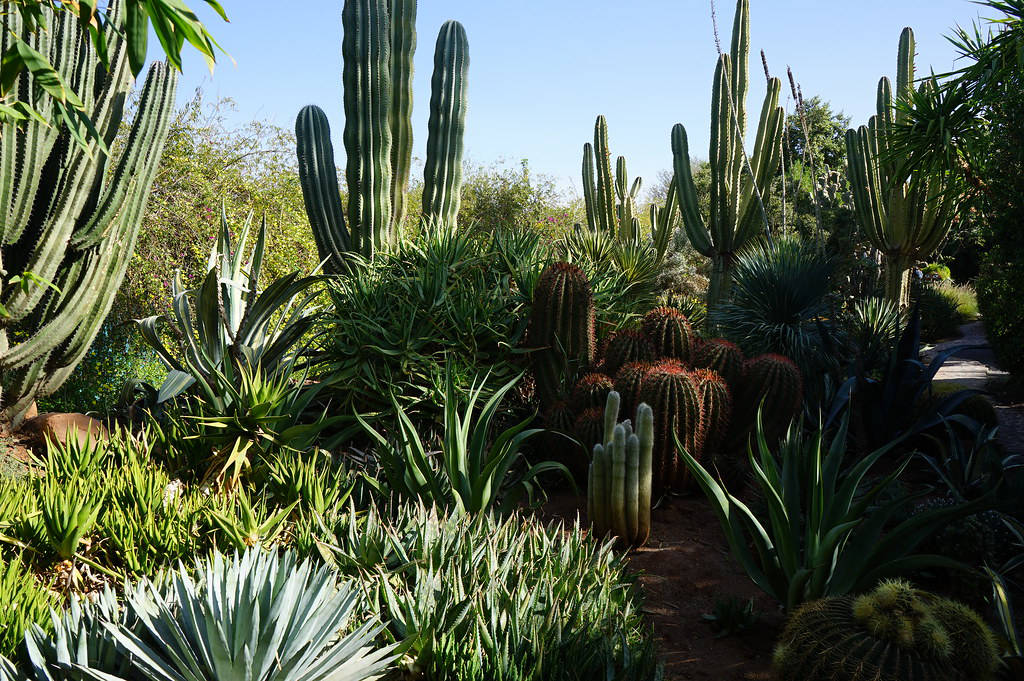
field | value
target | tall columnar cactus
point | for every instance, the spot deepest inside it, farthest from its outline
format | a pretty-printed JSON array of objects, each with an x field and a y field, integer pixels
[
  {"x": 670, "y": 333},
  {"x": 895, "y": 633},
  {"x": 561, "y": 328},
  {"x": 624, "y": 347},
  {"x": 619, "y": 482},
  {"x": 377, "y": 49},
  {"x": 673, "y": 394},
  {"x": 611, "y": 201},
  {"x": 722, "y": 357},
  {"x": 716, "y": 409},
  {"x": 771, "y": 384},
  {"x": 738, "y": 181},
  {"x": 71, "y": 214},
  {"x": 904, "y": 215}
]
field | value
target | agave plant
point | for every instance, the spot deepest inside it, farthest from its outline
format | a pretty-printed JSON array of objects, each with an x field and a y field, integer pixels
[
  {"x": 249, "y": 617},
  {"x": 472, "y": 472}
]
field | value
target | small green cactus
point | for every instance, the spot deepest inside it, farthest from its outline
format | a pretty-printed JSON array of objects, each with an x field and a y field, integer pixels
[
  {"x": 670, "y": 333},
  {"x": 722, "y": 357},
  {"x": 619, "y": 481},
  {"x": 561, "y": 328},
  {"x": 674, "y": 396},
  {"x": 623, "y": 347},
  {"x": 894, "y": 633}
]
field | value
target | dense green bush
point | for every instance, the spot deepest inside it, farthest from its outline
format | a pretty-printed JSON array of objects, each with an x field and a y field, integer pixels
[{"x": 945, "y": 306}]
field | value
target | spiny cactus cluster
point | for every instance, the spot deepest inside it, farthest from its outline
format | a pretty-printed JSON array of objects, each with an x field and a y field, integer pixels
[
  {"x": 377, "y": 48},
  {"x": 619, "y": 482},
  {"x": 703, "y": 392},
  {"x": 894, "y": 633}
]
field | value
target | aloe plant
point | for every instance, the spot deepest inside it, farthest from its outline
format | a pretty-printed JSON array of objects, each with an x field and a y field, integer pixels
[
  {"x": 378, "y": 46},
  {"x": 904, "y": 213},
  {"x": 738, "y": 181},
  {"x": 70, "y": 213}
]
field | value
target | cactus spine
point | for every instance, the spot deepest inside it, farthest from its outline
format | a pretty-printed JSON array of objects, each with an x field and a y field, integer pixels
[
  {"x": 905, "y": 217},
  {"x": 894, "y": 633},
  {"x": 611, "y": 201},
  {"x": 561, "y": 328},
  {"x": 737, "y": 181},
  {"x": 716, "y": 409},
  {"x": 628, "y": 381},
  {"x": 722, "y": 357},
  {"x": 619, "y": 482},
  {"x": 69, "y": 218},
  {"x": 591, "y": 391},
  {"x": 674, "y": 396},
  {"x": 377, "y": 48},
  {"x": 670, "y": 333},
  {"x": 624, "y": 347}
]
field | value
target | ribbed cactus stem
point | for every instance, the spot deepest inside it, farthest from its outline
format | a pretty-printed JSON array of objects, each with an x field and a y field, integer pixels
[
  {"x": 674, "y": 397},
  {"x": 442, "y": 174},
  {"x": 611, "y": 415},
  {"x": 403, "y": 47},
  {"x": 645, "y": 449},
  {"x": 618, "y": 483},
  {"x": 320, "y": 188}
]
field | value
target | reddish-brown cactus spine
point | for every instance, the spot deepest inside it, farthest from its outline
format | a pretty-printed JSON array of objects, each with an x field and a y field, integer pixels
[
  {"x": 591, "y": 391},
  {"x": 673, "y": 394},
  {"x": 716, "y": 408},
  {"x": 670, "y": 333},
  {"x": 628, "y": 382},
  {"x": 561, "y": 328},
  {"x": 624, "y": 347},
  {"x": 724, "y": 358}
]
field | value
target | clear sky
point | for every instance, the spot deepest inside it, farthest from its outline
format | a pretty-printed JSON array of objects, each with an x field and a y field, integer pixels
[{"x": 541, "y": 71}]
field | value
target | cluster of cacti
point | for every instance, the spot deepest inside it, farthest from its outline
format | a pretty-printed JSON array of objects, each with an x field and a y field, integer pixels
[
  {"x": 611, "y": 202},
  {"x": 377, "y": 48},
  {"x": 894, "y": 633},
  {"x": 738, "y": 181},
  {"x": 619, "y": 483},
  {"x": 71, "y": 212},
  {"x": 561, "y": 329},
  {"x": 905, "y": 216}
]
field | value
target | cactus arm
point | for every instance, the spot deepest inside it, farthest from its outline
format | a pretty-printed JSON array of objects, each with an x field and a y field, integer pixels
[
  {"x": 764, "y": 162},
  {"x": 611, "y": 415},
  {"x": 617, "y": 480},
  {"x": 686, "y": 190},
  {"x": 367, "y": 94},
  {"x": 645, "y": 434},
  {"x": 318, "y": 176},
  {"x": 605, "y": 182},
  {"x": 740, "y": 57},
  {"x": 632, "y": 488},
  {"x": 721, "y": 154},
  {"x": 589, "y": 186},
  {"x": 601, "y": 491},
  {"x": 442, "y": 174},
  {"x": 403, "y": 46},
  {"x": 904, "y": 70}
]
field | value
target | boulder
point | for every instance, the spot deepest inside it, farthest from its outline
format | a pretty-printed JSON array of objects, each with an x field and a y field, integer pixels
[{"x": 59, "y": 427}]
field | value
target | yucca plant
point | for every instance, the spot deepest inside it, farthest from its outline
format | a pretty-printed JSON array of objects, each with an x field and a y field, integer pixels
[
  {"x": 473, "y": 471},
  {"x": 828, "y": 531},
  {"x": 252, "y": 616}
]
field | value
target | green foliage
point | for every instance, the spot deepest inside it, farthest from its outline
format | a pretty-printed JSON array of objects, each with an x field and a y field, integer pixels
[
  {"x": 732, "y": 615},
  {"x": 445, "y": 301},
  {"x": 779, "y": 303},
  {"x": 945, "y": 307},
  {"x": 473, "y": 471},
  {"x": 518, "y": 600},
  {"x": 824, "y": 137},
  {"x": 244, "y": 524},
  {"x": 498, "y": 198},
  {"x": 770, "y": 397},
  {"x": 23, "y": 602},
  {"x": 620, "y": 477},
  {"x": 64, "y": 259},
  {"x": 252, "y": 617},
  {"x": 828, "y": 531},
  {"x": 894, "y": 632},
  {"x": 739, "y": 182}
]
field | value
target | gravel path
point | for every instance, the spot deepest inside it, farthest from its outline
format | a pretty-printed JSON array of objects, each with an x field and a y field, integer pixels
[{"x": 977, "y": 369}]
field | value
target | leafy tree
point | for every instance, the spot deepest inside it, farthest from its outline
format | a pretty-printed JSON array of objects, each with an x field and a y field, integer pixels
[
  {"x": 497, "y": 196},
  {"x": 825, "y": 136}
]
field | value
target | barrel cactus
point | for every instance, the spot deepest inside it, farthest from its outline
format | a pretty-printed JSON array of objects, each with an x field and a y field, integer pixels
[
  {"x": 71, "y": 213},
  {"x": 894, "y": 633},
  {"x": 589, "y": 427},
  {"x": 623, "y": 347},
  {"x": 670, "y": 333},
  {"x": 628, "y": 381},
  {"x": 722, "y": 357},
  {"x": 377, "y": 48},
  {"x": 674, "y": 396},
  {"x": 716, "y": 409},
  {"x": 771, "y": 384},
  {"x": 591, "y": 391},
  {"x": 561, "y": 328},
  {"x": 620, "y": 478}
]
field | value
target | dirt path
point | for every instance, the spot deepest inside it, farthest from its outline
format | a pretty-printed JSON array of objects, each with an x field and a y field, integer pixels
[{"x": 977, "y": 369}]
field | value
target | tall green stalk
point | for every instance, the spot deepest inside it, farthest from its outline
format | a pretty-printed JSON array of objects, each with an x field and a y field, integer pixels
[
  {"x": 738, "y": 181},
  {"x": 905, "y": 215},
  {"x": 71, "y": 212},
  {"x": 378, "y": 47}
]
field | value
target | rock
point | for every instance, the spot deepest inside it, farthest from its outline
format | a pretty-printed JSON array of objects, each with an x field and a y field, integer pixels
[{"x": 58, "y": 427}]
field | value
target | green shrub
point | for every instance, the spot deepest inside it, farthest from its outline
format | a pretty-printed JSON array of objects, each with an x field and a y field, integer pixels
[
  {"x": 23, "y": 602},
  {"x": 936, "y": 271},
  {"x": 480, "y": 598},
  {"x": 945, "y": 307}
]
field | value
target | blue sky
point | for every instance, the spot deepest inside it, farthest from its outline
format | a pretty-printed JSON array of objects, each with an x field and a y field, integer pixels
[{"x": 540, "y": 71}]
